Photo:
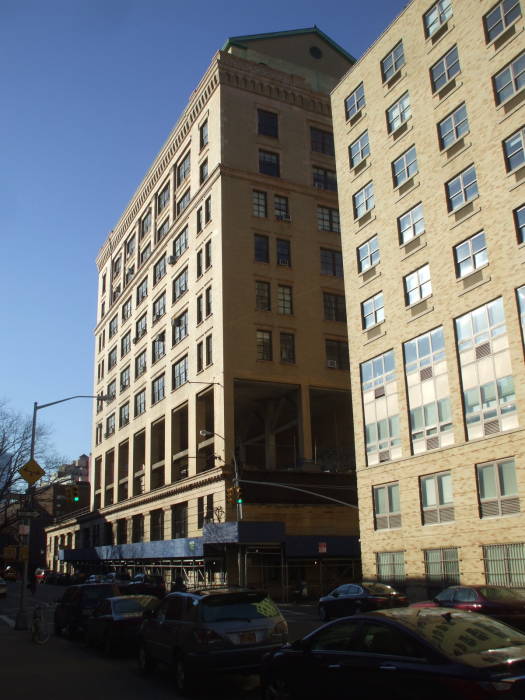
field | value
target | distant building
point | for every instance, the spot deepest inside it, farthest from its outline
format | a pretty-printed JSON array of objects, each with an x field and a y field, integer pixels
[{"x": 77, "y": 471}]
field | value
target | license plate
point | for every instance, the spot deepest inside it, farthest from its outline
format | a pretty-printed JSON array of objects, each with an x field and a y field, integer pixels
[{"x": 247, "y": 638}]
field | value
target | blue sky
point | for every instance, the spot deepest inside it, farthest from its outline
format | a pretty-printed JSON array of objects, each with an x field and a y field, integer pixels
[{"x": 90, "y": 91}]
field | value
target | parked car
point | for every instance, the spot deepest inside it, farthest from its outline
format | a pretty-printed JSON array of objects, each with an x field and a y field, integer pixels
[
  {"x": 10, "y": 574},
  {"x": 115, "y": 622},
  {"x": 115, "y": 577},
  {"x": 351, "y": 598},
  {"x": 3, "y": 588},
  {"x": 506, "y": 604},
  {"x": 401, "y": 654},
  {"x": 226, "y": 630},
  {"x": 77, "y": 604},
  {"x": 145, "y": 584}
]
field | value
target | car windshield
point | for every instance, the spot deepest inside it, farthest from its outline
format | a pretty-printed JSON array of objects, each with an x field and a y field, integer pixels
[
  {"x": 133, "y": 605},
  {"x": 475, "y": 639},
  {"x": 237, "y": 606},
  {"x": 502, "y": 595},
  {"x": 379, "y": 588}
]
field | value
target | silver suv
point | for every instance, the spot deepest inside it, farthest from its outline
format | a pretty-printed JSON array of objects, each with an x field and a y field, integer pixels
[{"x": 227, "y": 630}]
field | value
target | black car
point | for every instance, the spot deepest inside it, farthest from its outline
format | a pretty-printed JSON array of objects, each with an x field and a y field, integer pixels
[
  {"x": 196, "y": 633},
  {"x": 351, "y": 598},
  {"x": 144, "y": 584},
  {"x": 403, "y": 654},
  {"x": 77, "y": 604},
  {"x": 115, "y": 622}
]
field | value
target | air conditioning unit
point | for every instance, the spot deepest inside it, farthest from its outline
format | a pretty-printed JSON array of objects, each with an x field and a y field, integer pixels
[
  {"x": 136, "y": 339},
  {"x": 332, "y": 364},
  {"x": 282, "y": 261},
  {"x": 160, "y": 336},
  {"x": 318, "y": 186},
  {"x": 283, "y": 217},
  {"x": 172, "y": 260}
]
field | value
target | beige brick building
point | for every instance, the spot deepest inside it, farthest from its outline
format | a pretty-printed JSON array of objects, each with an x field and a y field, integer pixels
[
  {"x": 429, "y": 132},
  {"x": 221, "y": 338}
]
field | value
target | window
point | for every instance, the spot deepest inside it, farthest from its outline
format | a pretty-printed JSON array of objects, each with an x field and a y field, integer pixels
[
  {"x": 113, "y": 326},
  {"x": 445, "y": 69},
  {"x": 208, "y": 301},
  {"x": 328, "y": 219},
  {"x": 404, "y": 167},
  {"x": 112, "y": 358},
  {"x": 442, "y": 566},
  {"x": 411, "y": 224},
  {"x": 199, "y": 309},
  {"x": 199, "y": 219},
  {"x": 111, "y": 391},
  {"x": 322, "y": 141},
  {"x": 158, "y": 347},
  {"x": 144, "y": 254},
  {"x": 137, "y": 528},
  {"x": 267, "y": 123},
  {"x": 284, "y": 253},
  {"x": 509, "y": 80},
  {"x": 110, "y": 425},
  {"x": 125, "y": 344},
  {"x": 325, "y": 179},
  {"x": 471, "y": 255},
  {"x": 498, "y": 489},
  {"x": 259, "y": 204},
  {"x": 180, "y": 285},
  {"x": 334, "y": 307},
  {"x": 437, "y": 16},
  {"x": 199, "y": 263},
  {"x": 124, "y": 415},
  {"x": 355, "y": 102},
  {"x": 130, "y": 273},
  {"x": 183, "y": 169},
  {"x": 398, "y": 113},
  {"x": 117, "y": 265},
  {"x": 98, "y": 434},
  {"x": 103, "y": 309},
  {"x": 261, "y": 248},
  {"x": 207, "y": 255},
  {"x": 373, "y": 311},
  {"x": 159, "y": 270},
  {"x": 145, "y": 224},
  {"x": 179, "y": 520},
  {"x": 180, "y": 244},
  {"x": 500, "y": 17},
  {"x": 203, "y": 134},
  {"x": 284, "y": 300},
  {"x": 200, "y": 356},
  {"x": 209, "y": 349},
  {"x": 368, "y": 254},
  {"x": 262, "y": 296},
  {"x": 163, "y": 229},
  {"x": 287, "y": 347},
  {"x": 453, "y": 127},
  {"x": 157, "y": 389},
  {"x": 513, "y": 148},
  {"x": 140, "y": 364},
  {"x": 336, "y": 352},
  {"x": 392, "y": 62},
  {"x": 387, "y": 510},
  {"x": 519, "y": 222},
  {"x": 156, "y": 525},
  {"x": 269, "y": 163},
  {"x": 183, "y": 202},
  {"x": 163, "y": 198},
  {"x": 125, "y": 378},
  {"x": 359, "y": 150},
  {"x": 462, "y": 188},
  {"x": 417, "y": 285},
  {"x": 130, "y": 246},
  {"x": 390, "y": 566},
  {"x": 159, "y": 307},
  {"x": 142, "y": 290},
  {"x": 363, "y": 201},
  {"x": 428, "y": 392},
  {"x": 264, "y": 345},
  {"x": 180, "y": 372},
  {"x": 207, "y": 210},
  {"x": 126, "y": 309},
  {"x": 520, "y": 293},
  {"x": 437, "y": 503},
  {"x": 203, "y": 171},
  {"x": 331, "y": 262},
  {"x": 280, "y": 208},
  {"x": 505, "y": 564},
  {"x": 140, "y": 403}
]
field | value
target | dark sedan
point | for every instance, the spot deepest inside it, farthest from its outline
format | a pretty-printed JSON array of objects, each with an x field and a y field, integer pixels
[
  {"x": 506, "y": 604},
  {"x": 404, "y": 654},
  {"x": 77, "y": 605},
  {"x": 115, "y": 622},
  {"x": 351, "y": 598}
]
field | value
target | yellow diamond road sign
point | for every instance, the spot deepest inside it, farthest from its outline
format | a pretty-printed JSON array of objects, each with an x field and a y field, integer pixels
[{"x": 31, "y": 471}]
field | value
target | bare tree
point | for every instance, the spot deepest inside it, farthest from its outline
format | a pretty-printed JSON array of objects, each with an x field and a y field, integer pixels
[{"x": 15, "y": 449}]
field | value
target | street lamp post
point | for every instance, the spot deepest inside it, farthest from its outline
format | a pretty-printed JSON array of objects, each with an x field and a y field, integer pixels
[{"x": 21, "y": 622}]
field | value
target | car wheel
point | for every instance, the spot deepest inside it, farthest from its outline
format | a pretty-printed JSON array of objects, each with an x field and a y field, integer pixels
[
  {"x": 323, "y": 613},
  {"x": 183, "y": 680},
  {"x": 277, "y": 689},
  {"x": 146, "y": 663}
]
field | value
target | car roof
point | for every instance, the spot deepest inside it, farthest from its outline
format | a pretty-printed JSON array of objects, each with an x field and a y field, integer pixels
[{"x": 204, "y": 592}]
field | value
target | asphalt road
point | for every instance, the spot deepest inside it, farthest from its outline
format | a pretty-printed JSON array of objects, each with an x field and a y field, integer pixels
[{"x": 62, "y": 670}]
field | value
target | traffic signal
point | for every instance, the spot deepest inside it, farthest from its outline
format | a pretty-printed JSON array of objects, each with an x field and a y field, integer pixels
[
  {"x": 74, "y": 494},
  {"x": 238, "y": 495},
  {"x": 230, "y": 495}
]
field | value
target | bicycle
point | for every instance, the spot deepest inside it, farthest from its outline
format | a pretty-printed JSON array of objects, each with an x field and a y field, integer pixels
[{"x": 40, "y": 628}]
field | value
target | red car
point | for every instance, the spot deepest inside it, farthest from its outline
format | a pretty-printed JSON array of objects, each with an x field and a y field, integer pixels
[{"x": 505, "y": 604}]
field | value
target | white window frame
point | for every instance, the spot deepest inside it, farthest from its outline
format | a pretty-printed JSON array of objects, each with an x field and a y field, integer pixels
[
  {"x": 373, "y": 311},
  {"x": 393, "y": 61},
  {"x": 472, "y": 254},
  {"x": 359, "y": 149},
  {"x": 355, "y": 101},
  {"x": 442, "y": 511},
  {"x": 514, "y": 149},
  {"x": 501, "y": 17},
  {"x": 404, "y": 167},
  {"x": 502, "y": 503},
  {"x": 453, "y": 127},
  {"x": 436, "y": 16},
  {"x": 391, "y": 518},
  {"x": 465, "y": 191},
  {"x": 363, "y": 200},
  {"x": 398, "y": 113},
  {"x": 409, "y": 222},
  {"x": 445, "y": 70},
  {"x": 418, "y": 285},
  {"x": 511, "y": 77},
  {"x": 368, "y": 254}
]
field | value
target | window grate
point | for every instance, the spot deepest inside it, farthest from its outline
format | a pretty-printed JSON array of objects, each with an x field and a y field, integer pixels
[
  {"x": 426, "y": 373},
  {"x": 482, "y": 350},
  {"x": 384, "y": 456},
  {"x": 491, "y": 427}
]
